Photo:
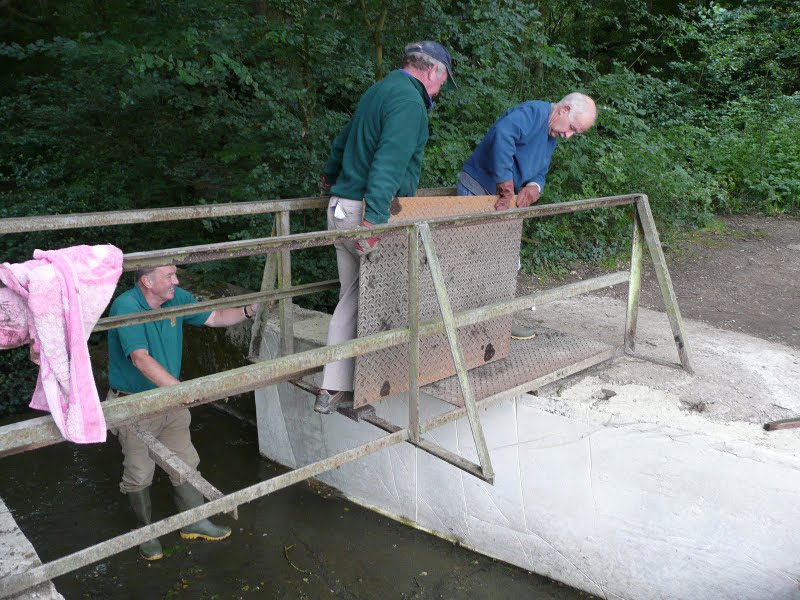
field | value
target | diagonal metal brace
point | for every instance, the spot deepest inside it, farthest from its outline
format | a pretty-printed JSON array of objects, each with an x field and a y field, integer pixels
[
  {"x": 644, "y": 228},
  {"x": 432, "y": 449},
  {"x": 486, "y": 470},
  {"x": 367, "y": 413},
  {"x": 354, "y": 414},
  {"x": 269, "y": 279},
  {"x": 175, "y": 467}
]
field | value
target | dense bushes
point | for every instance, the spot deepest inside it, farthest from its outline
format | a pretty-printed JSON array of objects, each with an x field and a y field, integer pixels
[
  {"x": 184, "y": 102},
  {"x": 112, "y": 104}
]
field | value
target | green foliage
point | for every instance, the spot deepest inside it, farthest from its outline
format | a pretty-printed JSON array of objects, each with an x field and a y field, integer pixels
[
  {"x": 17, "y": 381},
  {"x": 748, "y": 50},
  {"x": 753, "y": 155},
  {"x": 110, "y": 104}
]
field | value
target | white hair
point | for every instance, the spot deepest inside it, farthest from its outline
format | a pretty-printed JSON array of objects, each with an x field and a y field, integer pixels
[
  {"x": 422, "y": 61},
  {"x": 580, "y": 104}
]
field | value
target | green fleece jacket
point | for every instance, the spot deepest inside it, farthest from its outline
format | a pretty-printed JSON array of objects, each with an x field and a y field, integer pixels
[{"x": 378, "y": 155}]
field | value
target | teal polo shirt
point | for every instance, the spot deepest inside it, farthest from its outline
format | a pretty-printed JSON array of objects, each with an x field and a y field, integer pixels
[{"x": 163, "y": 340}]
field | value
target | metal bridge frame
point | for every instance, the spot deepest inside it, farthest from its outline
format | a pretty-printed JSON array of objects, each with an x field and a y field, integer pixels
[{"x": 39, "y": 432}]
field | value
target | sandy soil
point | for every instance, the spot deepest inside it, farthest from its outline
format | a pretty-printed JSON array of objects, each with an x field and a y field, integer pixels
[{"x": 744, "y": 278}]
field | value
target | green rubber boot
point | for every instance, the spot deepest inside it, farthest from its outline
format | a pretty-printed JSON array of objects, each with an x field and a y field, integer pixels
[
  {"x": 187, "y": 497},
  {"x": 140, "y": 503}
]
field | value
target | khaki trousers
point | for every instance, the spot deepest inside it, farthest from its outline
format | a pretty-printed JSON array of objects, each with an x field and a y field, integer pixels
[
  {"x": 171, "y": 429},
  {"x": 343, "y": 327}
]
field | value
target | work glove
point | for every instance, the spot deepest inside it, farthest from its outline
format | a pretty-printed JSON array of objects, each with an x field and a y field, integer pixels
[
  {"x": 364, "y": 247},
  {"x": 528, "y": 195},
  {"x": 505, "y": 194},
  {"x": 326, "y": 185}
]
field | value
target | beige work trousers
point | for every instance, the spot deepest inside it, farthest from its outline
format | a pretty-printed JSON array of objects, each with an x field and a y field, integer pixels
[
  {"x": 171, "y": 429},
  {"x": 343, "y": 326}
]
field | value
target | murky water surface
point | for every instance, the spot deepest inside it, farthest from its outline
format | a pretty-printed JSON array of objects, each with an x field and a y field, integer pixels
[{"x": 296, "y": 543}]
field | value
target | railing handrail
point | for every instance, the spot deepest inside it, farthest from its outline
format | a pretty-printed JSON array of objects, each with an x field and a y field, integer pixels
[
  {"x": 297, "y": 241},
  {"x": 183, "y": 310},
  {"x": 216, "y": 251},
  {"x": 174, "y": 213},
  {"x": 154, "y": 215},
  {"x": 223, "y": 250}
]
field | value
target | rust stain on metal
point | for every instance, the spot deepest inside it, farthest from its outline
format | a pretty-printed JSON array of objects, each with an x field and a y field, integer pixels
[
  {"x": 386, "y": 389},
  {"x": 489, "y": 354},
  {"x": 423, "y": 209},
  {"x": 527, "y": 360}
]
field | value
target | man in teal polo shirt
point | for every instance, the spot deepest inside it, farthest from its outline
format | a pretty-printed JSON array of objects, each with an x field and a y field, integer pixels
[
  {"x": 146, "y": 356},
  {"x": 377, "y": 156}
]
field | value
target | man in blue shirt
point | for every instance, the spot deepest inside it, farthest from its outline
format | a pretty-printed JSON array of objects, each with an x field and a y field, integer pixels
[
  {"x": 146, "y": 356},
  {"x": 514, "y": 156}
]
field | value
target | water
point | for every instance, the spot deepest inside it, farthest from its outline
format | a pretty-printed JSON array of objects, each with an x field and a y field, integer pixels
[{"x": 301, "y": 542}]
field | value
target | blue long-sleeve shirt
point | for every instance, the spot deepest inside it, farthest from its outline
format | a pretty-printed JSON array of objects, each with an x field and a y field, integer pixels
[{"x": 517, "y": 147}]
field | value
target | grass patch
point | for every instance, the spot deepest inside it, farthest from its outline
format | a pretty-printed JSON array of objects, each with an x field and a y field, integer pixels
[
  {"x": 615, "y": 262},
  {"x": 715, "y": 227}
]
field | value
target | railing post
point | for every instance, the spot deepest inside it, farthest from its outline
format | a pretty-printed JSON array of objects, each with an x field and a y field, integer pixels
[
  {"x": 413, "y": 328},
  {"x": 634, "y": 283},
  {"x": 458, "y": 356},
  {"x": 664, "y": 280},
  {"x": 268, "y": 281},
  {"x": 284, "y": 281}
]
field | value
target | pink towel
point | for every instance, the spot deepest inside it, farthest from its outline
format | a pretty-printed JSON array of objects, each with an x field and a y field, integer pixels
[{"x": 53, "y": 303}]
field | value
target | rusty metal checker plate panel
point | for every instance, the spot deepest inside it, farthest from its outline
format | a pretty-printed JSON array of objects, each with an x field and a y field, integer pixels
[
  {"x": 527, "y": 360},
  {"x": 479, "y": 264}
]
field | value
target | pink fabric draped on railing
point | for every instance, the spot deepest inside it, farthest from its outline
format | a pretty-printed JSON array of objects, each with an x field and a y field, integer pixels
[{"x": 52, "y": 303}]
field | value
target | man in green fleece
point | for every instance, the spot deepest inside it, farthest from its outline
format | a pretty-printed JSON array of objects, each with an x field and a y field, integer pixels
[{"x": 377, "y": 156}]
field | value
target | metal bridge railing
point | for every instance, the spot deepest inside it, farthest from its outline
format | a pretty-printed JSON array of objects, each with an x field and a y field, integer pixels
[{"x": 39, "y": 432}]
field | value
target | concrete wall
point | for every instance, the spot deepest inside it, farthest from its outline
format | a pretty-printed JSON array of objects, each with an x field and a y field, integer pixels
[
  {"x": 17, "y": 556},
  {"x": 588, "y": 491}
]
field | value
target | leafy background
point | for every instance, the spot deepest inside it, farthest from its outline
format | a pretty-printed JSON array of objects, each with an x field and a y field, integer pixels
[{"x": 116, "y": 104}]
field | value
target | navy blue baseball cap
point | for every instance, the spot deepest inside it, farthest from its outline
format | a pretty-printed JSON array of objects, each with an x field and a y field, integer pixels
[{"x": 437, "y": 51}]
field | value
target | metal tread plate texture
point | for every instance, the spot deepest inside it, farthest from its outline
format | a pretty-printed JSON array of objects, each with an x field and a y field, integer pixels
[
  {"x": 527, "y": 360},
  {"x": 479, "y": 264}
]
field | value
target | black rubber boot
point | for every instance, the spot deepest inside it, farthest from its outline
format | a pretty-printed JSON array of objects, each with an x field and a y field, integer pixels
[
  {"x": 140, "y": 503},
  {"x": 187, "y": 497}
]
